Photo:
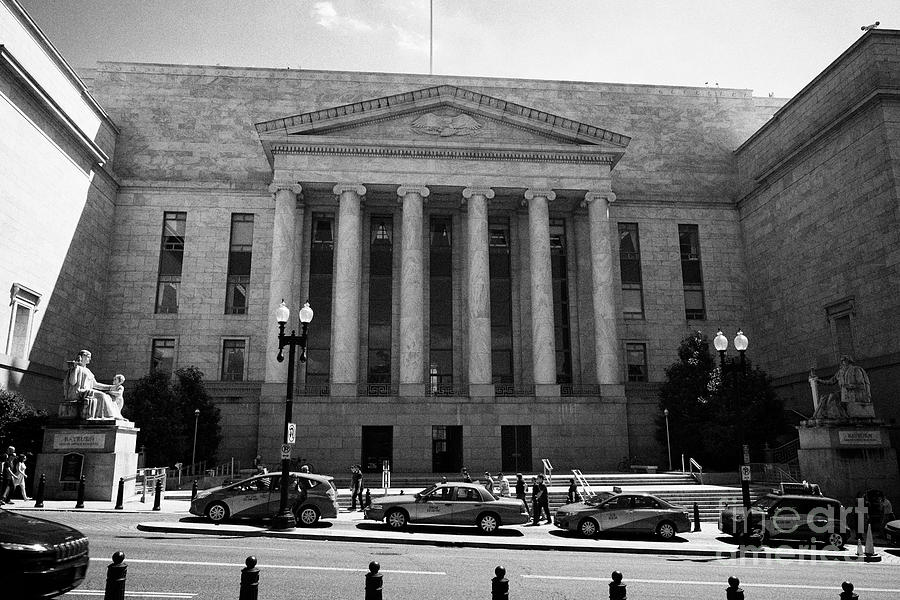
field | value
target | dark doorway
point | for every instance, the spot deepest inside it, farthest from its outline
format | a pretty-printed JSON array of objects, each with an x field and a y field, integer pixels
[
  {"x": 515, "y": 445},
  {"x": 446, "y": 448},
  {"x": 377, "y": 447}
]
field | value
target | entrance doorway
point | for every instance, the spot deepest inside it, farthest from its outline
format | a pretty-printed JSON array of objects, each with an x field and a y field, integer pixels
[
  {"x": 515, "y": 448},
  {"x": 377, "y": 447},
  {"x": 446, "y": 448}
]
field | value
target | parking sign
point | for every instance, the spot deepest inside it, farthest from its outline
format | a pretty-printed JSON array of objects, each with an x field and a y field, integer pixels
[
  {"x": 286, "y": 451},
  {"x": 745, "y": 473},
  {"x": 292, "y": 433}
]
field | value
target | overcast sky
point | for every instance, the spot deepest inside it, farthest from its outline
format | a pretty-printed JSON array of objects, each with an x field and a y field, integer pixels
[{"x": 764, "y": 45}]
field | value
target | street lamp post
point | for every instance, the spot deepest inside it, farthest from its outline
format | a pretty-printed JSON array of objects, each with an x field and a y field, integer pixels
[
  {"x": 668, "y": 440},
  {"x": 740, "y": 344},
  {"x": 285, "y": 518},
  {"x": 194, "y": 453}
]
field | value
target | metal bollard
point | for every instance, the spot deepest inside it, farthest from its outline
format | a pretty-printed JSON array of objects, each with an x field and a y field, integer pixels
[
  {"x": 847, "y": 593},
  {"x": 733, "y": 591},
  {"x": 374, "y": 582},
  {"x": 158, "y": 498},
  {"x": 39, "y": 497},
  {"x": 696, "y": 517},
  {"x": 120, "y": 495},
  {"x": 194, "y": 490},
  {"x": 616, "y": 587},
  {"x": 115, "y": 578},
  {"x": 499, "y": 585},
  {"x": 79, "y": 503},
  {"x": 249, "y": 580}
]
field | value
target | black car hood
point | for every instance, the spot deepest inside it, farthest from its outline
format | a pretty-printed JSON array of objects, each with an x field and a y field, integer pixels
[{"x": 25, "y": 529}]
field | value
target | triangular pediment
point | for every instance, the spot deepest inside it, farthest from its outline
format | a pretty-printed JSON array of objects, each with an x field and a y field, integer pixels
[{"x": 442, "y": 116}]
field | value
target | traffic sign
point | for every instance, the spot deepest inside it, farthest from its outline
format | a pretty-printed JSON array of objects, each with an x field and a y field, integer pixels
[
  {"x": 746, "y": 453},
  {"x": 292, "y": 433},
  {"x": 745, "y": 473},
  {"x": 286, "y": 451}
]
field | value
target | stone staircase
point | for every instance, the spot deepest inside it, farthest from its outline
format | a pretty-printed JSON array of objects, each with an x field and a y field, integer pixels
[{"x": 678, "y": 488}]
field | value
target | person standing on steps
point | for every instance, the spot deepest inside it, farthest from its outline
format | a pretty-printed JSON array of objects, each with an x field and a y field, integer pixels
[{"x": 356, "y": 487}]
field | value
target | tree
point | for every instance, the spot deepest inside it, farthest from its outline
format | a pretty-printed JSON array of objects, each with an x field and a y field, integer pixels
[
  {"x": 21, "y": 425},
  {"x": 163, "y": 408},
  {"x": 711, "y": 409}
]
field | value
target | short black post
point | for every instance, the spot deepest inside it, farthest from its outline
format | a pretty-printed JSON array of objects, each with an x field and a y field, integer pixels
[
  {"x": 158, "y": 498},
  {"x": 39, "y": 497},
  {"x": 115, "y": 578},
  {"x": 499, "y": 585},
  {"x": 733, "y": 591},
  {"x": 616, "y": 587},
  {"x": 120, "y": 495},
  {"x": 194, "y": 490},
  {"x": 696, "y": 517},
  {"x": 374, "y": 582},
  {"x": 368, "y": 502},
  {"x": 847, "y": 593},
  {"x": 249, "y": 580},
  {"x": 79, "y": 503}
]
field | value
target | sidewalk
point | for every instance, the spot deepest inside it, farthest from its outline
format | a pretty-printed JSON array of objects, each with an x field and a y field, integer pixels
[{"x": 173, "y": 517}]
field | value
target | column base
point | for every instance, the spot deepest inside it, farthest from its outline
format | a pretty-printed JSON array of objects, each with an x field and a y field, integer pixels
[
  {"x": 544, "y": 390},
  {"x": 412, "y": 389},
  {"x": 485, "y": 390}
]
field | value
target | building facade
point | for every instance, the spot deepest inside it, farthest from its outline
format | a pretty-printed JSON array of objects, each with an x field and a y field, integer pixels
[{"x": 500, "y": 270}]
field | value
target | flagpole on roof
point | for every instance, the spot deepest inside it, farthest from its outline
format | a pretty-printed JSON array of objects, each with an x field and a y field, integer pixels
[{"x": 430, "y": 36}]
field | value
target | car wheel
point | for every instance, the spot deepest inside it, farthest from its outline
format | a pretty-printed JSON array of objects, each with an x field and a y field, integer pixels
[
  {"x": 396, "y": 519},
  {"x": 666, "y": 530},
  {"x": 307, "y": 516},
  {"x": 588, "y": 528},
  {"x": 488, "y": 523},
  {"x": 835, "y": 539},
  {"x": 217, "y": 512}
]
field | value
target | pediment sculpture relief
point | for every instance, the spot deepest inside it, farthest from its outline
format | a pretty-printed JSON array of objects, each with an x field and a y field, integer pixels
[{"x": 445, "y": 126}]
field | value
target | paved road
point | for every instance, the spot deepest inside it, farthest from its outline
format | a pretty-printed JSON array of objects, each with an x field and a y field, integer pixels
[{"x": 163, "y": 565}]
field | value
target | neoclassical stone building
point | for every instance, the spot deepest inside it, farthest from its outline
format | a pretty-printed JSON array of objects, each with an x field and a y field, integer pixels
[{"x": 500, "y": 270}]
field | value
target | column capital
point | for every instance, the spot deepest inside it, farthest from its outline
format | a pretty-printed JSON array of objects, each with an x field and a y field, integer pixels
[
  {"x": 405, "y": 189},
  {"x": 478, "y": 191},
  {"x": 291, "y": 186},
  {"x": 598, "y": 195},
  {"x": 358, "y": 188},
  {"x": 530, "y": 194}
]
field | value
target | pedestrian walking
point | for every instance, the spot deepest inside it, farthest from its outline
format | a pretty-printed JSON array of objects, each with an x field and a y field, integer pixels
[
  {"x": 488, "y": 482},
  {"x": 887, "y": 511},
  {"x": 521, "y": 488},
  {"x": 502, "y": 485},
  {"x": 466, "y": 477},
  {"x": 8, "y": 477},
  {"x": 573, "y": 496},
  {"x": 356, "y": 488},
  {"x": 535, "y": 502},
  {"x": 20, "y": 476},
  {"x": 543, "y": 498}
]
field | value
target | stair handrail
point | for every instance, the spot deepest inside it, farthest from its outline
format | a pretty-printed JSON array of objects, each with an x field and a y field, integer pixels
[
  {"x": 771, "y": 473},
  {"x": 587, "y": 491},
  {"x": 698, "y": 476}
]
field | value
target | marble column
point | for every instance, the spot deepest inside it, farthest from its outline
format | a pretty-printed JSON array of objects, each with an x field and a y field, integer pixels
[
  {"x": 288, "y": 213},
  {"x": 479, "y": 284},
  {"x": 606, "y": 338},
  {"x": 543, "y": 342},
  {"x": 412, "y": 331},
  {"x": 345, "y": 308}
]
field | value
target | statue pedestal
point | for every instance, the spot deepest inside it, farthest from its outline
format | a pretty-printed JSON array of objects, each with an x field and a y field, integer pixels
[
  {"x": 102, "y": 450},
  {"x": 848, "y": 456}
]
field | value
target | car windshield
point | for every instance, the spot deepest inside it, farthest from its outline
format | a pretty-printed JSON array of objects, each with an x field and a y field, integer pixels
[{"x": 765, "y": 503}]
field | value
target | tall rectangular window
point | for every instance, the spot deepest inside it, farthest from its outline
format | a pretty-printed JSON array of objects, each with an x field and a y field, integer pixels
[
  {"x": 559, "y": 270},
  {"x": 233, "y": 353},
  {"x": 381, "y": 273},
  {"x": 321, "y": 278},
  {"x": 171, "y": 259},
  {"x": 23, "y": 305},
  {"x": 501, "y": 302},
  {"x": 440, "y": 282},
  {"x": 636, "y": 361},
  {"x": 630, "y": 269},
  {"x": 163, "y": 355},
  {"x": 240, "y": 253},
  {"x": 691, "y": 273}
]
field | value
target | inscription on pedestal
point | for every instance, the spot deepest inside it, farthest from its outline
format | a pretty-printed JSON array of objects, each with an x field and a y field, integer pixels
[
  {"x": 864, "y": 437},
  {"x": 72, "y": 466},
  {"x": 79, "y": 441}
]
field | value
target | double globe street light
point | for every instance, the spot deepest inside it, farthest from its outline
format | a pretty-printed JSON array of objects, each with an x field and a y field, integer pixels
[
  {"x": 740, "y": 344},
  {"x": 285, "y": 518}
]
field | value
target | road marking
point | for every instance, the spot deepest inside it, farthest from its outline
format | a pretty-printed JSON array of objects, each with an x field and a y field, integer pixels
[
  {"x": 268, "y": 566},
  {"x": 131, "y": 594},
  {"x": 743, "y": 585}
]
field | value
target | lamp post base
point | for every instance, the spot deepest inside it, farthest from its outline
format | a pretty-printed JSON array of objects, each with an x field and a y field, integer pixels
[{"x": 284, "y": 520}]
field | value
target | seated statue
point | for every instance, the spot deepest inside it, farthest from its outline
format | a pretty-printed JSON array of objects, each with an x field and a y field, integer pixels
[
  {"x": 855, "y": 398},
  {"x": 81, "y": 386}
]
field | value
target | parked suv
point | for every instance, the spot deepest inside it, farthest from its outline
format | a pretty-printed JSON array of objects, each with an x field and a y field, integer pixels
[{"x": 810, "y": 518}]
